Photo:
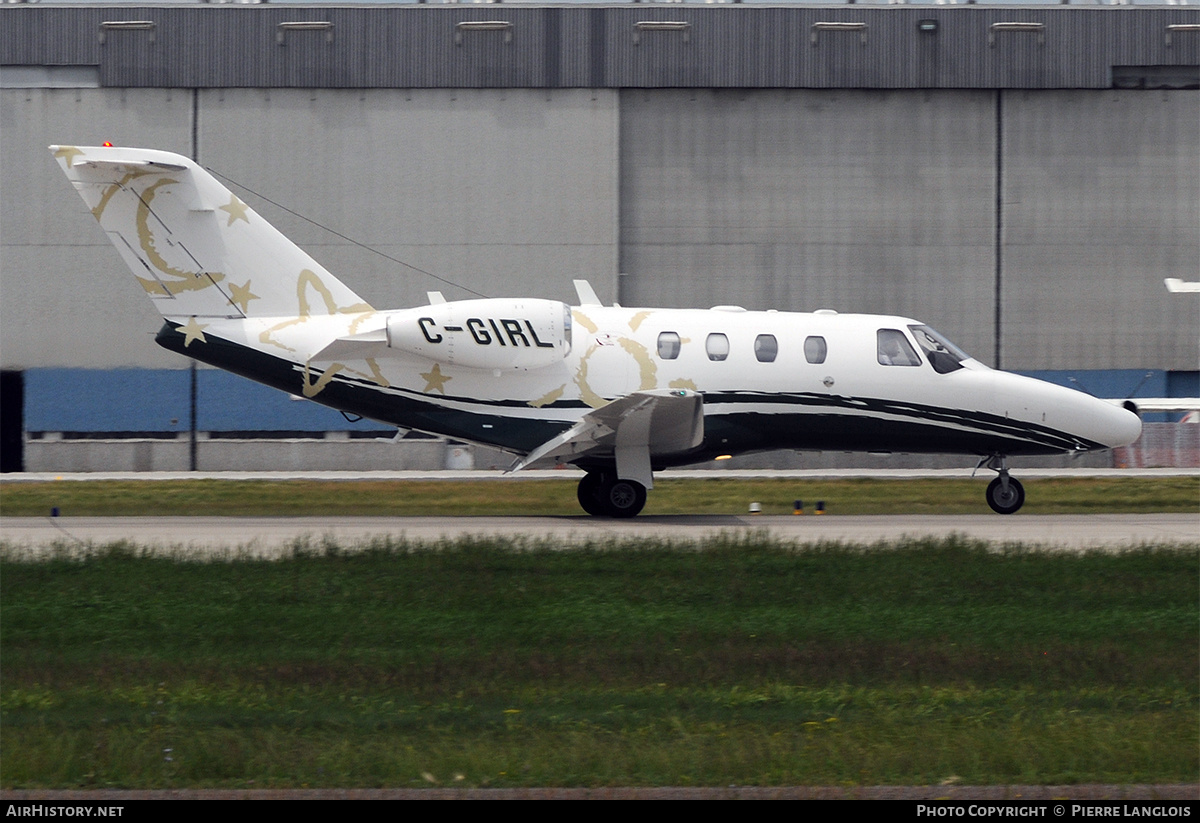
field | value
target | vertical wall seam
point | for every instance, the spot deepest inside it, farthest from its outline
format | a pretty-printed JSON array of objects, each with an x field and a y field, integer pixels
[
  {"x": 193, "y": 400},
  {"x": 999, "y": 238}
]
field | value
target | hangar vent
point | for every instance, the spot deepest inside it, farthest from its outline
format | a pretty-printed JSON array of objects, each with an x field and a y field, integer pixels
[{"x": 612, "y": 46}]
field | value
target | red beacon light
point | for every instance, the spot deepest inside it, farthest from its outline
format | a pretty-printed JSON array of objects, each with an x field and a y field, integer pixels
[{"x": 106, "y": 144}]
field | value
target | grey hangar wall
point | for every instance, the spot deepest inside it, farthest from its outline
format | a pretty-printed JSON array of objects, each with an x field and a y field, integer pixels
[
  {"x": 1005, "y": 191},
  {"x": 1036, "y": 224}
]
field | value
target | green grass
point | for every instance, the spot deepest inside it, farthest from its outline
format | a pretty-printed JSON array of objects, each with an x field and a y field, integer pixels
[
  {"x": 557, "y": 497},
  {"x": 501, "y": 663}
]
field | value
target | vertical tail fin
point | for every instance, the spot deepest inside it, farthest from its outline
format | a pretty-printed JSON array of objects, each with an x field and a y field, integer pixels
[{"x": 196, "y": 249}]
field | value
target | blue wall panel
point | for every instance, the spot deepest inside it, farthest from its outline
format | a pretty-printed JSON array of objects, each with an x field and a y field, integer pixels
[
  {"x": 106, "y": 400},
  {"x": 1124, "y": 384},
  {"x": 156, "y": 400}
]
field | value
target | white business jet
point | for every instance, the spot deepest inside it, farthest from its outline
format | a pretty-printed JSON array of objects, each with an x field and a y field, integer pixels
[{"x": 619, "y": 392}]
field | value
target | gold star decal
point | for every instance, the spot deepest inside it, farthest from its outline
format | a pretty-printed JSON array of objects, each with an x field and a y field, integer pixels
[
  {"x": 241, "y": 295},
  {"x": 435, "y": 380},
  {"x": 236, "y": 209},
  {"x": 193, "y": 331},
  {"x": 68, "y": 152}
]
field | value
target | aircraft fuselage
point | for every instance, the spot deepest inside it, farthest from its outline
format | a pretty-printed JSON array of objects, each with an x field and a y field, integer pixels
[{"x": 753, "y": 400}]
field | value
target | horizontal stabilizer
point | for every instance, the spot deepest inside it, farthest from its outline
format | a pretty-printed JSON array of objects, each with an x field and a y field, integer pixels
[
  {"x": 123, "y": 164},
  {"x": 354, "y": 347}
]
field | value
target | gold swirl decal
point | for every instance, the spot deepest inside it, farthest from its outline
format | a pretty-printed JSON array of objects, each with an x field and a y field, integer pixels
[
  {"x": 311, "y": 389},
  {"x": 549, "y": 397},
  {"x": 266, "y": 338},
  {"x": 113, "y": 189},
  {"x": 309, "y": 278},
  {"x": 646, "y": 368},
  {"x": 647, "y": 371},
  {"x": 68, "y": 153},
  {"x": 356, "y": 322},
  {"x": 152, "y": 286},
  {"x": 376, "y": 375},
  {"x": 585, "y": 391},
  {"x": 682, "y": 383},
  {"x": 637, "y": 319},
  {"x": 188, "y": 280},
  {"x": 583, "y": 320}
]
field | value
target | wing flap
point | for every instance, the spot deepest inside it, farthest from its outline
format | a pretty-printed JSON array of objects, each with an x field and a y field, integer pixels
[{"x": 633, "y": 429}]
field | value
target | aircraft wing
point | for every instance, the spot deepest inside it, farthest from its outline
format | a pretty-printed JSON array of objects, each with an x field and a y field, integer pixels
[
  {"x": 1161, "y": 404},
  {"x": 631, "y": 428},
  {"x": 1177, "y": 285}
]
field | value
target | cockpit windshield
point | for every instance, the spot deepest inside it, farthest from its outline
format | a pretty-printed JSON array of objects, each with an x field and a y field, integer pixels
[{"x": 943, "y": 355}]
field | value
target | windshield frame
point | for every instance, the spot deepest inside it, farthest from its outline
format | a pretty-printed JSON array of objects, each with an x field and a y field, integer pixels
[{"x": 944, "y": 356}]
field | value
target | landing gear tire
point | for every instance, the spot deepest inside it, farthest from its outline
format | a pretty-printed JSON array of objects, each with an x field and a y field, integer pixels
[
  {"x": 623, "y": 498},
  {"x": 1005, "y": 501},
  {"x": 602, "y": 495},
  {"x": 589, "y": 493}
]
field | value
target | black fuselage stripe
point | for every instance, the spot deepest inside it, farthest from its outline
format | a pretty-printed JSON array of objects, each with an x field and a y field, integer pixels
[{"x": 410, "y": 409}]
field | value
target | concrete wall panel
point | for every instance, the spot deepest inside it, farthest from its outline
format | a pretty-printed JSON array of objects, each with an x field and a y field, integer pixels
[
  {"x": 502, "y": 192},
  {"x": 1101, "y": 202},
  {"x": 797, "y": 200},
  {"x": 854, "y": 200},
  {"x": 66, "y": 299},
  {"x": 57, "y": 455}
]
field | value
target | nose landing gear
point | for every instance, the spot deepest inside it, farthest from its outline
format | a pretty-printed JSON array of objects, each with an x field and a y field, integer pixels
[
  {"x": 603, "y": 494},
  {"x": 1004, "y": 494}
]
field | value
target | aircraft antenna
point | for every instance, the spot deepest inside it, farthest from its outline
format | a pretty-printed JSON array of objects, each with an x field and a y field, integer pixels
[{"x": 440, "y": 279}]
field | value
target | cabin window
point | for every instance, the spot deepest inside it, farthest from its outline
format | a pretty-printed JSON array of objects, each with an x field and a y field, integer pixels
[
  {"x": 668, "y": 345},
  {"x": 815, "y": 349},
  {"x": 893, "y": 349},
  {"x": 765, "y": 348},
  {"x": 717, "y": 346}
]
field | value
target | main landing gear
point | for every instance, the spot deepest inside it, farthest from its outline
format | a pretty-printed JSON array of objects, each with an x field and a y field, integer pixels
[
  {"x": 1004, "y": 494},
  {"x": 603, "y": 494}
]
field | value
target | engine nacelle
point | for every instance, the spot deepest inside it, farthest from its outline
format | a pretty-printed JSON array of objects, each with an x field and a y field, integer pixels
[{"x": 496, "y": 333}]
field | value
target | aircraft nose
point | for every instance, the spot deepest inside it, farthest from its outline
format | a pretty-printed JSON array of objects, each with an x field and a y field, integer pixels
[
  {"x": 1090, "y": 422},
  {"x": 1120, "y": 427},
  {"x": 1103, "y": 422}
]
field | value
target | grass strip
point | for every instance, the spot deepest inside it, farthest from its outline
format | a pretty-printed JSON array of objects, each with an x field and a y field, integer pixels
[
  {"x": 557, "y": 497},
  {"x": 490, "y": 662}
]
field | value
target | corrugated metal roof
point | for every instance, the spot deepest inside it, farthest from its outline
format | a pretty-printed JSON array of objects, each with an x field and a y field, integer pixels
[{"x": 732, "y": 46}]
